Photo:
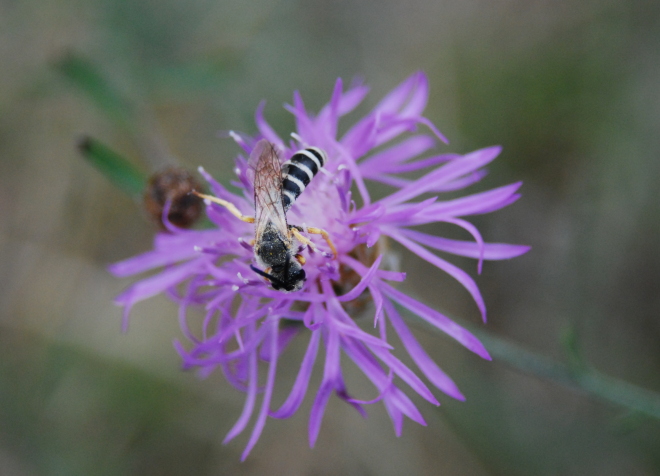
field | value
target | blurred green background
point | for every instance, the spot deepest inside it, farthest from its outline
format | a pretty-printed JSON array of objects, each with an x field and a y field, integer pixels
[{"x": 569, "y": 88}]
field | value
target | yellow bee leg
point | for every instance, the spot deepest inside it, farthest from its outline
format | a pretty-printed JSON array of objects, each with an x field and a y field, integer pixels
[
  {"x": 316, "y": 231},
  {"x": 301, "y": 259},
  {"x": 301, "y": 238},
  {"x": 326, "y": 237},
  {"x": 228, "y": 205}
]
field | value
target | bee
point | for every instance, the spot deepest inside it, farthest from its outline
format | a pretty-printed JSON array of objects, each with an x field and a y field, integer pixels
[{"x": 276, "y": 187}]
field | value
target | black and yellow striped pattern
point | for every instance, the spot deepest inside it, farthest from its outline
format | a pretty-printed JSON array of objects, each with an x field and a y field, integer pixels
[{"x": 298, "y": 171}]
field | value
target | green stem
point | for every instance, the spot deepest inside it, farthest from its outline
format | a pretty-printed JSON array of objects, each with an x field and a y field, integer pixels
[
  {"x": 578, "y": 377},
  {"x": 583, "y": 377}
]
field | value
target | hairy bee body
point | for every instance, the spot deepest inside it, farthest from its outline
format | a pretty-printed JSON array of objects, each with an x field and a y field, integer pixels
[
  {"x": 276, "y": 187},
  {"x": 275, "y": 254}
]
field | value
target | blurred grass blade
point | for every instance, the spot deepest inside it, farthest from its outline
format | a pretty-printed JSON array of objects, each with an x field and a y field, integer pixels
[
  {"x": 115, "y": 167},
  {"x": 85, "y": 76}
]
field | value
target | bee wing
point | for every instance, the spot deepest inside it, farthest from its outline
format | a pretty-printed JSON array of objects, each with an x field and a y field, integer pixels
[{"x": 268, "y": 207}]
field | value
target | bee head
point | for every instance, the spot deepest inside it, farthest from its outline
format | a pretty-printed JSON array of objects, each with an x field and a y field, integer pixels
[
  {"x": 294, "y": 281},
  {"x": 288, "y": 278}
]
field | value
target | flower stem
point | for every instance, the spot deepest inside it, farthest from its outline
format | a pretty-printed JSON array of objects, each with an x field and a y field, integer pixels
[
  {"x": 583, "y": 378},
  {"x": 579, "y": 377}
]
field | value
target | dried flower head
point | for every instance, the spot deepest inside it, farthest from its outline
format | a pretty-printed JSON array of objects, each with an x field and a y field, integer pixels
[
  {"x": 248, "y": 321},
  {"x": 171, "y": 187}
]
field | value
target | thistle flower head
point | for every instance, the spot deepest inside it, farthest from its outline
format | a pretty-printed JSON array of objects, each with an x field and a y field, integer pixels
[{"x": 247, "y": 321}]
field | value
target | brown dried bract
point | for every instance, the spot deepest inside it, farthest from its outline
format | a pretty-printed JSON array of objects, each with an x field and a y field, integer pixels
[{"x": 173, "y": 184}]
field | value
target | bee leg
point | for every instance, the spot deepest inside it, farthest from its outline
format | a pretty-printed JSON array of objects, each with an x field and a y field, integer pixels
[
  {"x": 326, "y": 237},
  {"x": 315, "y": 231},
  {"x": 264, "y": 274},
  {"x": 228, "y": 205},
  {"x": 295, "y": 231},
  {"x": 301, "y": 259}
]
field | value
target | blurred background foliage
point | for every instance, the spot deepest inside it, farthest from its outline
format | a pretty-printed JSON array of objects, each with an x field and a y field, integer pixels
[{"x": 569, "y": 88}]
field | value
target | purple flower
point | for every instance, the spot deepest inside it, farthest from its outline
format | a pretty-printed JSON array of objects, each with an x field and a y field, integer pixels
[{"x": 246, "y": 321}]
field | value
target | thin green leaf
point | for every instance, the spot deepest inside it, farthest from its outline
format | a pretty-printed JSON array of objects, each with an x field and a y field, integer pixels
[{"x": 114, "y": 166}]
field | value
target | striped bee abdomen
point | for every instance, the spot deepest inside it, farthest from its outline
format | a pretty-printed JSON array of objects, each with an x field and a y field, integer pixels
[{"x": 298, "y": 171}]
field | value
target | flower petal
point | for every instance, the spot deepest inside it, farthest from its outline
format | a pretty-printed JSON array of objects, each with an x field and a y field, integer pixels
[
  {"x": 154, "y": 285},
  {"x": 242, "y": 421},
  {"x": 352, "y": 99},
  {"x": 418, "y": 99},
  {"x": 450, "y": 171},
  {"x": 151, "y": 260},
  {"x": 462, "y": 182},
  {"x": 491, "y": 251},
  {"x": 395, "y": 400},
  {"x": 405, "y": 373},
  {"x": 430, "y": 369},
  {"x": 327, "y": 119},
  {"x": 377, "y": 296},
  {"x": 475, "y": 204},
  {"x": 396, "y": 99},
  {"x": 295, "y": 398},
  {"x": 401, "y": 152},
  {"x": 268, "y": 393},
  {"x": 442, "y": 322},
  {"x": 416, "y": 165},
  {"x": 401, "y": 401},
  {"x": 396, "y": 416},
  {"x": 454, "y": 271},
  {"x": 360, "y": 138},
  {"x": 266, "y": 131},
  {"x": 364, "y": 282},
  {"x": 330, "y": 371}
]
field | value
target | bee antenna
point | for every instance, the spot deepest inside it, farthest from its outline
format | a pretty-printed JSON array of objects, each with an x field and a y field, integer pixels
[{"x": 270, "y": 277}]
